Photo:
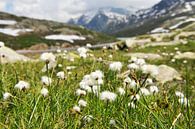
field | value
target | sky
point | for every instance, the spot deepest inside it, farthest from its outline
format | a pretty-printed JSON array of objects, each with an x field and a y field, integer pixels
[{"x": 63, "y": 10}]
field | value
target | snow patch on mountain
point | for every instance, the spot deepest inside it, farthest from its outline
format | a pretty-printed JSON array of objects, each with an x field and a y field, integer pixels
[{"x": 69, "y": 38}]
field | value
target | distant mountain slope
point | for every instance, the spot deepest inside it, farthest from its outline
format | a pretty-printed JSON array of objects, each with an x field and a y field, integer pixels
[
  {"x": 21, "y": 32},
  {"x": 105, "y": 19},
  {"x": 135, "y": 22}
]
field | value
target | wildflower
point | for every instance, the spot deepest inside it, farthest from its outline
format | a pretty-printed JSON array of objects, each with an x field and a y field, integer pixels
[
  {"x": 61, "y": 75},
  {"x": 110, "y": 56},
  {"x": 133, "y": 66},
  {"x": 135, "y": 97},
  {"x": 48, "y": 66},
  {"x": 133, "y": 84},
  {"x": 115, "y": 66},
  {"x": 46, "y": 80},
  {"x": 108, "y": 96},
  {"x": 149, "y": 81},
  {"x": 176, "y": 48},
  {"x": 112, "y": 122},
  {"x": 59, "y": 65},
  {"x": 144, "y": 91},
  {"x": 82, "y": 52},
  {"x": 173, "y": 60},
  {"x": 2, "y": 44},
  {"x": 184, "y": 101},
  {"x": 121, "y": 91},
  {"x": 59, "y": 51},
  {"x": 127, "y": 81},
  {"x": 154, "y": 89},
  {"x": 76, "y": 109},
  {"x": 140, "y": 62},
  {"x": 44, "y": 92},
  {"x": 88, "y": 45},
  {"x": 96, "y": 90},
  {"x": 22, "y": 85},
  {"x": 97, "y": 74},
  {"x": 133, "y": 59},
  {"x": 48, "y": 57},
  {"x": 70, "y": 67},
  {"x": 6, "y": 96},
  {"x": 179, "y": 94},
  {"x": 82, "y": 103},
  {"x": 104, "y": 47},
  {"x": 185, "y": 61},
  {"x": 88, "y": 118},
  {"x": 80, "y": 92},
  {"x": 132, "y": 105}
]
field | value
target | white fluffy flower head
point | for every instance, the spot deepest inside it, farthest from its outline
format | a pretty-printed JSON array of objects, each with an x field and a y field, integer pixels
[
  {"x": 46, "y": 80},
  {"x": 44, "y": 92},
  {"x": 116, "y": 66},
  {"x": 22, "y": 85},
  {"x": 108, "y": 96}
]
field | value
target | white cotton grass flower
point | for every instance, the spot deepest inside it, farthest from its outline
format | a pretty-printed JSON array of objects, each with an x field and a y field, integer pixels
[
  {"x": 44, "y": 92},
  {"x": 116, "y": 66},
  {"x": 61, "y": 75},
  {"x": 140, "y": 62},
  {"x": 185, "y": 61},
  {"x": 184, "y": 101},
  {"x": 154, "y": 89},
  {"x": 88, "y": 118},
  {"x": 135, "y": 97},
  {"x": 59, "y": 51},
  {"x": 48, "y": 57},
  {"x": 50, "y": 65},
  {"x": 132, "y": 60},
  {"x": 6, "y": 95},
  {"x": 133, "y": 66},
  {"x": 132, "y": 105},
  {"x": 70, "y": 67},
  {"x": 46, "y": 80},
  {"x": 2, "y": 44},
  {"x": 110, "y": 56},
  {"x": 60, "y": 65},
  {"x": 121, "y": 91},
  {"x": 82, "y": 103},
  {"x": 80, "y": 92},
  {"x": 173, "y": 60},
  {"x": 176, "y": 48},
  {"x": 76, "y": 108},
  {"x": 149, "y": 81},
  {"x": 179, "y": 94},
  {"x": 108, "y": 96},
  {"x": 88, "y": 45},
  {"x": 112, "y": 122},
  {"x": 144, "y": 91},
  {"x": 127, "y": 81},
  {"x": 133, "y": 84},
  {"x": 82, "y": 52},
  {"x": 22, "y": 85}
]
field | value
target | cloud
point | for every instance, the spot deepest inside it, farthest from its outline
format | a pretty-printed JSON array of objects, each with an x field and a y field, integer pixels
[{"x": 62, "y": 10}]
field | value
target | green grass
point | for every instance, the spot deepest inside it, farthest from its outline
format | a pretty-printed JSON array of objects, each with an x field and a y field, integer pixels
[{"x": 28, "y": 109}]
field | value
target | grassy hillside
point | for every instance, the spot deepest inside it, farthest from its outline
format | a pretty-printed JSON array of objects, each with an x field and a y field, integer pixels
[
  {"x": 41, "y": 28},
  {"x": 29, "y": 109}
]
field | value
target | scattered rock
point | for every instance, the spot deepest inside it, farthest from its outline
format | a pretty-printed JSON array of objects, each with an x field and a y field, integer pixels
[
  {"x": 41, "y": 46},
  {"x": 162, "y": 73},
  {"x": 150, "y": 56},
  {"x": 185, "y": 55},
  {"x": 10, "y": 56}
]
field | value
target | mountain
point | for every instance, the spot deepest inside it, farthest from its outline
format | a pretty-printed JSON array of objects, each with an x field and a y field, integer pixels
[
  {"x": 133, "y": 22},
  {"x": 22, "y": 32},
  {"x": 104, "y": 19}
]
